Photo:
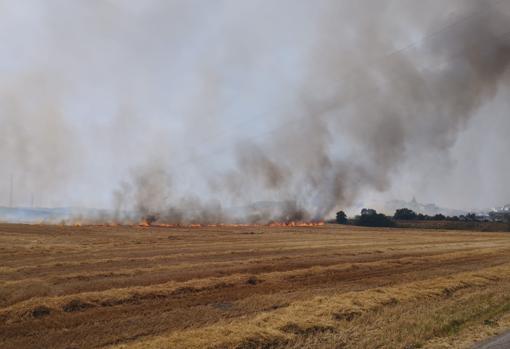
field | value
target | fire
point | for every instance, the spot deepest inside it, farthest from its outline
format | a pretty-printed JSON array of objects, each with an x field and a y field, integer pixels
[
  {"x": 296, "y": 224},
  {"x": 145, "y": 224}
]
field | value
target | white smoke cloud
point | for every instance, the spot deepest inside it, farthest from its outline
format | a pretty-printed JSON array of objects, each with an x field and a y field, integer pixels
[{"x": 220, "y": 104}]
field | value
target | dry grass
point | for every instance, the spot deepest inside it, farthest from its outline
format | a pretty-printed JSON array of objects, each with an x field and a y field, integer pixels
[{"x": 250, "y": 287}]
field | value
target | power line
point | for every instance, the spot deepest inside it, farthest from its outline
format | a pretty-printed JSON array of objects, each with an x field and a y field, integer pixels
[{"x": 413, "y": 45}]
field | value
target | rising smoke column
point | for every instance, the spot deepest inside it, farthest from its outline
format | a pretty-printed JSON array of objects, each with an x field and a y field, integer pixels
[
  {"x": 238, "y": 111},
  {"x": 405, "y": 104},
  {"x": 390, "y": 107}
]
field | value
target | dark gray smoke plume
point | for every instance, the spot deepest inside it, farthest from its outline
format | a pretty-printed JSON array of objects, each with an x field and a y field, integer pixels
[
  {"x": 249, "y": 112},
  {"x": 395, "y": 106}
]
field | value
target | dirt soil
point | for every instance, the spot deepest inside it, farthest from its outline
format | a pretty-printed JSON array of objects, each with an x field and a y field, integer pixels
[{"x": 249, "y": 287}]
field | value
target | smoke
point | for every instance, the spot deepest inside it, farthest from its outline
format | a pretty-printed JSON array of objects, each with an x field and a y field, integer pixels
[
  {"x": 35, "y": 137},
  {"x": 230, "y": 112}
]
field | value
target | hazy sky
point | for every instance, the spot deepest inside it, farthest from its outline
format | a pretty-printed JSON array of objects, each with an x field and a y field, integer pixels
[{"x": 235, "y": 102}]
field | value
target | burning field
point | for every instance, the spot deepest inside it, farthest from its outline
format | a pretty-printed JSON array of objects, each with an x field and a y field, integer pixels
[
  {"x": 250, "y": 287},
  {"x": 181, "y": 158}
]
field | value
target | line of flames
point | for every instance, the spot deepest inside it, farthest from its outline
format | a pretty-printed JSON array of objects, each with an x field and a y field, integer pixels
[{"x": 146, "y": 224}]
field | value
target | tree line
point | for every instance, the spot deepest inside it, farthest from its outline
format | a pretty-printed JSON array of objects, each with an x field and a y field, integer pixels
[{"x": 371, "y": 218}]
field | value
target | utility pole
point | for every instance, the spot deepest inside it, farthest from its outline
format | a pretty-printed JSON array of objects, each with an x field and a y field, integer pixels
[{"x": 11, "y": 192}]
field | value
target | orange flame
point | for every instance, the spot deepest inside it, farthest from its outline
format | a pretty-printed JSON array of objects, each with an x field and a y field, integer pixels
[{"x": 146, "y": 224}]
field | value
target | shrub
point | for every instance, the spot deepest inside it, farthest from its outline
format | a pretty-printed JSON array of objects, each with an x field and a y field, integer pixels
[{"x": 471, "y": 217}]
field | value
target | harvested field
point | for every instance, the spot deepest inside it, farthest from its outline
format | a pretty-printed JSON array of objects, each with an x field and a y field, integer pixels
[
  {"x": 250, "y": 287},
  {"x": 456, "y": 225}
]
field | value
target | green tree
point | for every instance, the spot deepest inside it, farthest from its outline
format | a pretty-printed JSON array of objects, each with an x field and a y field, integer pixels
[
  {"x": 341, "y": 217},
  {"x": 370, "y": 218},
  {"x": 405, "y": 214}
]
